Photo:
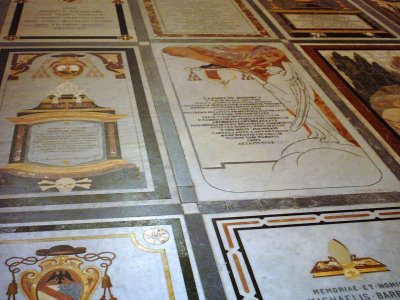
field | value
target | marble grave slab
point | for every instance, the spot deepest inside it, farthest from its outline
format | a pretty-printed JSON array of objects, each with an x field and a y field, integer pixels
[
  {"x": 335, "y": 254},
  {"x": 254, "y": 125},
  {"x": 368, "y": 76},
  {"x": 203, "y": 19},
  {"x": 68, "y": 20},
  {"x": 64, "y": 134},
  {"x": 323, "y": 19},
  {"x": 143, "y": 258}
]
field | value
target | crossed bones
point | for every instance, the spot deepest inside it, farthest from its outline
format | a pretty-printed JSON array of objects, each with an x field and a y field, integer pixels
[{"x": 65, "y": 184}]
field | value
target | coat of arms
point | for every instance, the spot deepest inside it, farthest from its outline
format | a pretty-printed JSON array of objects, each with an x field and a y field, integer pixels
[{"x": 62, "y": 275}]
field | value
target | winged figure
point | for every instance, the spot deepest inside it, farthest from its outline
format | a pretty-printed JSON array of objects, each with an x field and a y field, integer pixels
[
  {"x": 287, "y": 86},
  {"x": 272, "y": 69}
]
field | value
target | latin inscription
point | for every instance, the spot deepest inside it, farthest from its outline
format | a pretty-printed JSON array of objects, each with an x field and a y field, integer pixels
[
  {"x": 65, "y": 143},
  {"x": 246, "y": 120},
  {"x": 202, "y": 16},
  {"x": 327, "y": 21}
]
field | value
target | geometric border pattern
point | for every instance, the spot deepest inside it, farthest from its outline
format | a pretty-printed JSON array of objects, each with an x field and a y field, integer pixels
[{"x": 238, "y": 265}]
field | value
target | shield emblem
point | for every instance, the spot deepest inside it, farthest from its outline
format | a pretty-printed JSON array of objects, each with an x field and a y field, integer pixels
[
  {"x": 60, "y": 284},
  {"x": 60, "y": 278},
  {"x": 220, "y": 76}
]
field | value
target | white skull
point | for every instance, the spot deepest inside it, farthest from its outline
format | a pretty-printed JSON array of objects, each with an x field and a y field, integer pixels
[{"x": 65, "y": 184}]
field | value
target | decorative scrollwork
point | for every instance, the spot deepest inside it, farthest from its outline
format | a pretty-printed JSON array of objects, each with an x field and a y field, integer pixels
[
  {"x": 52, "y": 261},
  {"x": 13, "y": 262},
  {"x": 104, "y": 256},
  {"x": 107, "y": 258}
]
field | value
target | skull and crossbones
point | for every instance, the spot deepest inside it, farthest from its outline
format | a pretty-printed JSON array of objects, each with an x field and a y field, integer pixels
[
  {"x": 64, "y": 184},
  {"x": 317, "y": 34}
]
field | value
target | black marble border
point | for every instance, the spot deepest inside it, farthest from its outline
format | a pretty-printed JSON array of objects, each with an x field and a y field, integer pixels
[
  {"x": 13, "y": 30},
  {"x": 242, "y": 250},
  {"x": 341, "y": 34}
]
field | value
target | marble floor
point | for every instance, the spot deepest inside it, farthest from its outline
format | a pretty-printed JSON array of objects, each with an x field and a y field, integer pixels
[{"x": 199, "y": 149}]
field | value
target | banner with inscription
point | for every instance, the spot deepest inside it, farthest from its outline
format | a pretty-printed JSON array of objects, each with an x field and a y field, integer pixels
[
  {"x": 253, "y": 124},
  {"x": 40, "y": 20},
  {"x": 314, "y": 255},
  {"x": 203, "y": 19},
  {"x": 323, "y": 19},
  {"x": 64, "y": 134}
]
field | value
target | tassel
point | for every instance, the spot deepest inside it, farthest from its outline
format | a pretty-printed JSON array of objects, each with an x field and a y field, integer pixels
[
  {"x": 107, "y": 285},
  {"x": 12, "y": 290},
  {"x": 106, "y": 282}
]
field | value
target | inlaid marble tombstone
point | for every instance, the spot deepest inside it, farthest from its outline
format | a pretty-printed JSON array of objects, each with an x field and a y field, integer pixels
[
  {"x": 71, "y": 20},
  {"x": 63, "y": 133},
  {"x": 323, "y": 19},
  {"x": 67, "y": 136},
  {"x": 258, "y": 127},
  {"x": 141, "y": 259}
]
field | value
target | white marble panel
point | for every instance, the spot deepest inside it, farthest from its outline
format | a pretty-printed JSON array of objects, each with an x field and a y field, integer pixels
[
  {"x": 38, "y": 79},
  {"x": 203, "y": 19},
  {"x": 253, "y": 124},
  {"x": 150, "y": 258},
  {"x": 47, "y": 20},
  {"x": 291, "y": 255}
]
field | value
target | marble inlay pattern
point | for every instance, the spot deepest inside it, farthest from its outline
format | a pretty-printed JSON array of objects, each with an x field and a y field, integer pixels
[
  {"x": 199, "y": 149},
  {"x": 285, "y": 138},
  {"x": 149, "y": 258},
  {"x": 69, "y": 20},
  {"x": 308, "y": 255},
  {"x": 323, "y": 19},
  {"x": 225, "y": 19},
  {"x": 64, "y": 135},
  {"x": 368, "y": 76}
]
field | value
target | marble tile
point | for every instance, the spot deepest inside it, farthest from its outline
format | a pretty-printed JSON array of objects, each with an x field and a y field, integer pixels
[
  {"x": 68, "y": 20},
  {"x": 319, "y": 19},
  {"x": 203, "y": 19},
  {"x": 146, "y": 257},
  {"x": 330, "y": 254},
  {"x": 190, "y": 208},
  {"x": 64, "y": 134},
  {"x": 373, "y": 95},
  {"x": 254, "y": 125},
  {"x": 190, "y": 149}
]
